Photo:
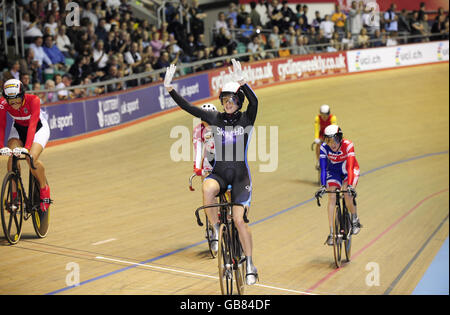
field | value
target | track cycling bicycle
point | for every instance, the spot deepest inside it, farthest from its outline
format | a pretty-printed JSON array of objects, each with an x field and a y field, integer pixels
[
  {"x": 230, "y": 256},
  {"x": 342, "y": 229},
  {"x": 17, "y": 206}
]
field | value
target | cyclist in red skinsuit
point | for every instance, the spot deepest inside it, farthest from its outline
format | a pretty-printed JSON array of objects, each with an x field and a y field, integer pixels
[{"x": 29, "y": 133}]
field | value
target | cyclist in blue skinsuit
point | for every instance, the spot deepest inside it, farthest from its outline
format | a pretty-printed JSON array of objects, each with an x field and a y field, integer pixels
[{"x": 232, "y": 132}]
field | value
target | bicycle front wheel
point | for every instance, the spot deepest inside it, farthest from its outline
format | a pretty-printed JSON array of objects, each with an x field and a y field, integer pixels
[
  {"x": 240, "y": 267},
  {"x": 11, "y": 208},
  {"x": 348, "y": 233},
  {"x": 337, "y": 237},
  {"x": 40, "y": 218},
  {"x": 209, "y": 237},
  {"x": 225, "y": 262}
]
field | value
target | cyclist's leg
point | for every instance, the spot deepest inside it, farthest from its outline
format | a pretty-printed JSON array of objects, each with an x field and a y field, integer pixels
[
  {"x": 242, "y": 193},
  {"x": 12, "y": 144},
  {"x": 245, "y": 235},
  {"x": 211, "y": 187}
]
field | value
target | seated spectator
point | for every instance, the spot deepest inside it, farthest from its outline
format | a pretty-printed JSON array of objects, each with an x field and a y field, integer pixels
[
  {"x": 63, "y": 42},
  {"x": 338, "y": 18},
  {"x": 13, "y": 72},
  {"x": 112, "y": 43},
  {"x": 221, "y": 23},
  {"x": 112, "y": 74},
  {"x": 31, "y": 30},
  {"x": 363, "y": 39},
  {"x": 272, "y": 46},
  {"x": 327, "y": 27},
  {"x": 392, "y": 39},
  {"x": 78, "y": 69},
  {"x": 89, "y": 13},
  {"x": 201, "y": 56},
  {"x": 39, "y": 54},
  {"x": 66, "y": 82},
  {"x": 275, "y": 37},
  {"x": 378, "y": 39},
  {"x": 189, "y": 49},
  {"x": 439, "y": 27},
  {"x": 255, "y": 48},
  {"x": 335, "y": 43},
  {"x": 157, "y": 44},
  {"x": 321, "y": 40},
  {"x": 51, "y": 26},
  {"x": 100, "y": 30},
  {"x": 26, "y": 80},
  {"x": 41, "y": 95},
  {"x": 100, "y": 56},
  {"x": 54, "y": 54},
  {"x": 348, "y": 42},
  {"x": 51, "y": 96},
  {"x": 247, "y": 30},
  {"x": 301, "y": 25},
  {"x": 163, "y": 62}
]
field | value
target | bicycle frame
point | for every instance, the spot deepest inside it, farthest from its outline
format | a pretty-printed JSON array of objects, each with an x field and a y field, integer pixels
[
  {"x": 342, "y": 229},
  {"x": 231, "y": 252}
]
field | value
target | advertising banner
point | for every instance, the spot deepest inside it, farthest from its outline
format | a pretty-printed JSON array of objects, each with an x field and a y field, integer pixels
[
  {"x": 283, "y": 70},
  {"x": 65, "y": 120},
  {"x": 397, "y": 56}
]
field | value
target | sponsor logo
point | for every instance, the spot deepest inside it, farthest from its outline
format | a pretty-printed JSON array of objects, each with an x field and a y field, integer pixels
[
  {"x": 112, "y": 118},
  {"x": 251, "y": 75},
  {"x": 166, "y": 101},
  {"x": 316, "y": 64},
  {"x": 129, "y": 107},
  {"x": 362, "y": 61},
  {"x": 61, "y": 122},
  {"x": 401, "y": 57}
]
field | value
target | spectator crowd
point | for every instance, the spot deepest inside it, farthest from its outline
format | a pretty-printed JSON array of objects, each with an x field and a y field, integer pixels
[{"x": 110, "y": 43}]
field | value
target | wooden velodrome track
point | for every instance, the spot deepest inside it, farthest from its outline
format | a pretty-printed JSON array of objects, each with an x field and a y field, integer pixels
[{"x": 123, "y": 213}]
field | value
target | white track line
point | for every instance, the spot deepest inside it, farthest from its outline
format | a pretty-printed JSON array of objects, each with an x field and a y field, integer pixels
[
  {"x": 195, "y": 274},
  {"x": 103, "y": 242}
]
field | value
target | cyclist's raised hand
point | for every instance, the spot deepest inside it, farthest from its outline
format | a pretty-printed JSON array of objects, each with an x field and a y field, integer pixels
[
  {"x": 170, "y": 72},
  {"x": 5, "y": 151},
  {"x": 236, "y": 73}
]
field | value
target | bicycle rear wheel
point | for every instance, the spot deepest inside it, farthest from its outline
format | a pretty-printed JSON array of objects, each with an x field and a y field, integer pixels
[
  {"x": 11, "y": 209},
  {"x": 225, "y": 262},
  {"x": 337, "y": 237},
  {"x": 40, "y": 218}
]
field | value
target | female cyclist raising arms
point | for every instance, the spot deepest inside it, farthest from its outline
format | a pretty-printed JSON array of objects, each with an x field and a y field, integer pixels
[{"x": 231, "y": 130}]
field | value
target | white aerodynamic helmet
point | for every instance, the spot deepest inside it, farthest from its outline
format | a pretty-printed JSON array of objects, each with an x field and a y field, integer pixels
[
  {"x": 233, "y": 88},
  {"x": 325, "y": 109},
  {"x": 335, "y": 132},
  {"x": 13, "y": 88},
  {"x": 209, "y": 107}
]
